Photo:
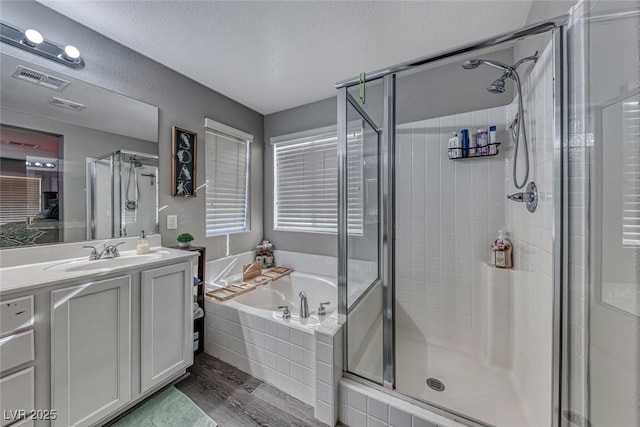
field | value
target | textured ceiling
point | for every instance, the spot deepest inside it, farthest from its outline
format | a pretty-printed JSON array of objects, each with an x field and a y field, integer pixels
[{"x": 272, "y": 56}]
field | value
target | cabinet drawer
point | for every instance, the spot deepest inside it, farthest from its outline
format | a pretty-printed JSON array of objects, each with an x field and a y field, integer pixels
[
  {"x": 16, "y": 314},
  {"x": 17, "y": 394},
  {"x": 16, "y": 350}
]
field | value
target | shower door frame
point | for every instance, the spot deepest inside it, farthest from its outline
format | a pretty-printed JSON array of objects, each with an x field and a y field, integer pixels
[
  {"x": 345, "y": 99},
  {"x": 557, "y": 28}
]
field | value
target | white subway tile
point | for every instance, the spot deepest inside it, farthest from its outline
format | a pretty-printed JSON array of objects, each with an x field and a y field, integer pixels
[
  {"x": 297, "y": 372},
  {"x": 283, "y": 365},
  {"x": 377, "y": 409},
  {"x": 297, "y": 354}
]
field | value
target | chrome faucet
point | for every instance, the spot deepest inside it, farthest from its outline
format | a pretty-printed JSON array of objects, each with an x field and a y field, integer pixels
[
  {"x": 304, "y": 306},
  {"x": 109, "y": 251}
]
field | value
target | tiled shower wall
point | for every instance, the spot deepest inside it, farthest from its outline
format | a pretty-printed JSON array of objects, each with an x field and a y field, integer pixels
[
  {"x": 532, "y": 236},
  {"x": 448, "y": 211}
]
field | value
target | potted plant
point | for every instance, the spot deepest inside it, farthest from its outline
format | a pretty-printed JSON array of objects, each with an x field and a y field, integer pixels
[{"x": 184, "y": 240}]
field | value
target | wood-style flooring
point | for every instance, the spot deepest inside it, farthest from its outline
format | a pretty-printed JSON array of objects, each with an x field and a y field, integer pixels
[{"x": 233, "y": 398}]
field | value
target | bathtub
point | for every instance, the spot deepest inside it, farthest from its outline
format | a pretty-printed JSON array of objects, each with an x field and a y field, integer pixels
[
  {"x": 265, "y": 300},
  {"x": 249, "y": 332}
]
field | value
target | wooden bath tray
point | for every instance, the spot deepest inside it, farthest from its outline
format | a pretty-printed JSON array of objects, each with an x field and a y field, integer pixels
[
  {"x": 231, "y": 291},
  {"x": 277, "y": 273},
  {"x": 239, "y": 288}
]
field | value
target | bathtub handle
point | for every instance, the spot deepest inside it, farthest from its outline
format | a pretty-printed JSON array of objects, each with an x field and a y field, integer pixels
[
  {"x": 322, "y": 310},
  {"x": 285, "y": 313}
]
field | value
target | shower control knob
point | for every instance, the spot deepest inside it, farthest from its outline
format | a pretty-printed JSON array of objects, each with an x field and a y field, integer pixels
[
  {"x": 529, "y": 197},
  {"x": 285, "y": 313},
  {"x": 322, "y": 310}
]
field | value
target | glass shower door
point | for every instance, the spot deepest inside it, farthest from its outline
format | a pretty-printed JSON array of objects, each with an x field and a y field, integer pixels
[{"x": 359, "y": 225}]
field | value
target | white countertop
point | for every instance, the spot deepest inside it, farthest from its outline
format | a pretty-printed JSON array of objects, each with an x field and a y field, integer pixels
[{"x": 32, "y": 276}]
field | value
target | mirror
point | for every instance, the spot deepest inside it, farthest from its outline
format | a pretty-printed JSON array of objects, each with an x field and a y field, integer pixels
[{"x": 52, "y": 127}]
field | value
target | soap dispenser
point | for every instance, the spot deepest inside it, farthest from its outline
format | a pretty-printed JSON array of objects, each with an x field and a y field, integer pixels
[
  {"x": 501, "y": 251},
  {"x": 143, "y": 245}
]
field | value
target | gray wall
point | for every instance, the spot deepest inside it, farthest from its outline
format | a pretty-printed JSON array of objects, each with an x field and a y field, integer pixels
[
  {"x": 441, "y": 91},
  {"x": 181, "y": 101}
]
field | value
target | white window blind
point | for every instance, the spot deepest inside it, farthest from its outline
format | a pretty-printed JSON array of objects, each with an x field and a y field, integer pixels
[
  {"x": 19, "y": 198},
  {"x": 631, "y": 171},
  {"x": 227, "y": 190},
  {"x": 306, "y": 183}
]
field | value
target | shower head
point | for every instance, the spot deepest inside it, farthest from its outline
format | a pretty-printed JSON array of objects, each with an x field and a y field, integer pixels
[
  {"x": 475, "y": 63},
  {"x": 497, "y": 86}
]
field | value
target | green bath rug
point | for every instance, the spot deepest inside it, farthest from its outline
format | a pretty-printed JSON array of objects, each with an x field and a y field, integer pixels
[{"x": 170, "y": 408}]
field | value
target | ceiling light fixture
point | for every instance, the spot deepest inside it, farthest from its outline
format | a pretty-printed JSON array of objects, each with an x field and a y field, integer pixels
[
  {"x": 32, "y": 41},
  {"x": 50, "y": 165},
  {"x": 38, "y": 164},
  {"x": 71, "y": 53},
  {"x": 32, "y": 37}
]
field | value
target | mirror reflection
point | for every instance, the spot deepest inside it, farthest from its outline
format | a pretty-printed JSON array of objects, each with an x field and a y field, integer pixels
[{"x": 55, "y": 132}]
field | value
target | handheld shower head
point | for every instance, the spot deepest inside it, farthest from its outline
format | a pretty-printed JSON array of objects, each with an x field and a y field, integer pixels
[
  {"x": 475, "y": 63},
  {"x": 471, "y": 64}
]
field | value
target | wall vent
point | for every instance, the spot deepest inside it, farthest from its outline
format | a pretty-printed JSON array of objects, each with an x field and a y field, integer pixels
[
  {"x": 40, "y": 79},
  {"x": 65, "y": 103}
]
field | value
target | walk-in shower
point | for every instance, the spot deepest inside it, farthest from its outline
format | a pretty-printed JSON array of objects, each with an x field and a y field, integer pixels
[
  {"x": 122, "y": 195},
  {"x": 553, "y": 341},
  {"x": 432, "y": 319}
]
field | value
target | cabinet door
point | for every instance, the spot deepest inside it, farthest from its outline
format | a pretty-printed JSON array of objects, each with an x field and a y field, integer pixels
[
  {"x": 166, "y": 322},
  {"x": 90, "y": 350}
]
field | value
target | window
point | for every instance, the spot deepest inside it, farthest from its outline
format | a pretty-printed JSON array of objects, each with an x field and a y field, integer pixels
[
  {"x": 19, "y": 198},
  {"x": 227, "y": 156},
  {"x": 306, "y": 182}
]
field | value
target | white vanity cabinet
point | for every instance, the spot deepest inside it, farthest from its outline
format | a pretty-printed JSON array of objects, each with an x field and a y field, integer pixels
[
  {"x": 91, "y": 350},
  {"x": 80, "y": 345},
  {"x": 117, "y": 340},
  {"x": 166, "y": 323}
]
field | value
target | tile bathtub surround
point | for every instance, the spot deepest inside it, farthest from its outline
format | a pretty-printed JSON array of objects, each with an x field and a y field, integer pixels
[
  {"x": 273, "y": 352},
  {"x": 228, "y": 266},
  {"x": 328, "y": 346},
  {"x": 364, "y": 406}
]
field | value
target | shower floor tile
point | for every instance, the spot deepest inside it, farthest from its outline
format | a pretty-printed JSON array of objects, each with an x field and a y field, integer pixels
[{"x": 471, "y": 387}]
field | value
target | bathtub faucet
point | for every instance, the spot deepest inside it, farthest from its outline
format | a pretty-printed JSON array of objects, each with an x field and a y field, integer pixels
[{"x": 304, "y": 306}]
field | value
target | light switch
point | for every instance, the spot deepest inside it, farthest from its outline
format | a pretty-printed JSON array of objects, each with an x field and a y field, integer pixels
[{"x": 172, "y": 222}]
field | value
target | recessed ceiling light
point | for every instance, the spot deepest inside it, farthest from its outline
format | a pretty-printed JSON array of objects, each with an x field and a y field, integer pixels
[
  {"x": 33, "y": 37},
  {"x": 71, "y": 53},
  {"x": 38, "y": 164},
  {"x": 28, "y": 163},
  {"x": 50, "y": 165}
]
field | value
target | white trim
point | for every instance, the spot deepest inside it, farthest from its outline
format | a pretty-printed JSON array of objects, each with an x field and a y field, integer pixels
[{"x": 221, "y": 127}]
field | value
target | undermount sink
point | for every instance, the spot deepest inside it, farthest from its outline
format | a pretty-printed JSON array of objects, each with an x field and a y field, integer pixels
[{"x": 106, "y": 264}]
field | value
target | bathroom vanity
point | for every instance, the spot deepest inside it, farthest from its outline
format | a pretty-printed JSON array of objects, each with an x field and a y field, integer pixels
[{"x": 82, "y": 341}]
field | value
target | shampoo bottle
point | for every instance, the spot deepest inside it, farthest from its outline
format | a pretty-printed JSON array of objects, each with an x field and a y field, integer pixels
[{"x": 454, "y": 141}]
